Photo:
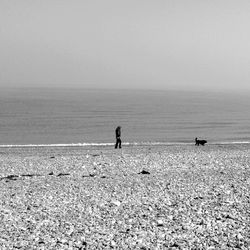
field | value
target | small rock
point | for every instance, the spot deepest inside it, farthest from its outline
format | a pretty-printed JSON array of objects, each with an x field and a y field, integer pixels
[
  {"x": 62, "y": 174},
  {"x": 12, "y": 177},
  {"x": 112, "y": 243},
  {"x": 63, "y": 241},
  {"x": 159, "y": 223},
  {"x": 71, "y": 231},
  {"x": 150, "y": 208},
  {"x": 144, "y": 172},
  {"x": 117, "y": 203},
  {"x": 175, "y": 245}
]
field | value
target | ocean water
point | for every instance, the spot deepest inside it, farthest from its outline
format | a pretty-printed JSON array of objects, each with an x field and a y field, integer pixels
[{"x": 89, "y": 117}]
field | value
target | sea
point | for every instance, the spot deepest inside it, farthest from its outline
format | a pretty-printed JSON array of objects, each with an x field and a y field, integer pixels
[{"x": 85, "y": 117}]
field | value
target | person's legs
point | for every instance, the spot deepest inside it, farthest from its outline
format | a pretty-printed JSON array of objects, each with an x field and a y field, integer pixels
[{"x": 118, "y": 142}]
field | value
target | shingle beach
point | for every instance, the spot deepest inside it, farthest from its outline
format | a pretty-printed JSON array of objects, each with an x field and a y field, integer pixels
[{"x": 173, "y": 197}]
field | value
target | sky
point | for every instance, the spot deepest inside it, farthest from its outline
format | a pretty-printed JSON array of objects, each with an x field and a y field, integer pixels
[{"x": 142, "y": 44}]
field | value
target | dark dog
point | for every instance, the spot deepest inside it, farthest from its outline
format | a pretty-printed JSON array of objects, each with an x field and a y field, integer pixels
[{"x": 198, "y": 142}]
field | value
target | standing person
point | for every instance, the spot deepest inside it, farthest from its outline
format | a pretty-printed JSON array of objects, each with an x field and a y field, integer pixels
[{"x": 118, "y": 137}]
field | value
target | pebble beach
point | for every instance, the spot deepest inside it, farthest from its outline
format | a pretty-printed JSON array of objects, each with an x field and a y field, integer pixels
[{"x": 161, "y": 197}]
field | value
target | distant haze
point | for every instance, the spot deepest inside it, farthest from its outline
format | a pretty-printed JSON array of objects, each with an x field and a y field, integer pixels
[{"x": 161, "y": 44}]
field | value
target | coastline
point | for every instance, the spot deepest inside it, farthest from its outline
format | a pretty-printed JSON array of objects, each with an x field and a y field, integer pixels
[
  {"x": 99, "y": 197},
  {"x": 69, "y": 149}
]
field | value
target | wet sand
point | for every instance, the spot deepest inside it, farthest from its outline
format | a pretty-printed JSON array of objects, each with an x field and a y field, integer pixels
[{"x": 174, "y": 197}]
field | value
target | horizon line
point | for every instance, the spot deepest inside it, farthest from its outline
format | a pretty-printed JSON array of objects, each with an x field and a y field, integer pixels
[{"x": 41, "y": 87}]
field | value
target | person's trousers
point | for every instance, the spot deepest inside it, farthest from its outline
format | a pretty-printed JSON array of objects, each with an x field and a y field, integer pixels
[{"x": 118, "y": 143}]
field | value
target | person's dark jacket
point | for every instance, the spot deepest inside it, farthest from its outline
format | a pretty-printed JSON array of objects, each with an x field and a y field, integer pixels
[{"x": 118, "y": 132}]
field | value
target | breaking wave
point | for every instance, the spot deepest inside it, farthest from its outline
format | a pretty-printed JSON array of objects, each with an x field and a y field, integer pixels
[{"x": 124, "y": 144}]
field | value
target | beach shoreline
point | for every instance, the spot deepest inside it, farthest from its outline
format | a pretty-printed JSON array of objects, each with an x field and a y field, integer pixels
[
  {"x": 127, "y": 147},
  {"x": 137, "y": 197}
]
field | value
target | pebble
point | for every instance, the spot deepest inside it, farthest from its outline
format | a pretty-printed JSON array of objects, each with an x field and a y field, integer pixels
[
  {"x": 112, "y": 243},
  {"x": 159, "y": 223},
  {"x": 116, "y": 202},
  {"x": 93, "y": 205}
]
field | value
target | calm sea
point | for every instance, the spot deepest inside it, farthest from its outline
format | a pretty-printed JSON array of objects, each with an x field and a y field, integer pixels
[{"x": 68, "y": 116}]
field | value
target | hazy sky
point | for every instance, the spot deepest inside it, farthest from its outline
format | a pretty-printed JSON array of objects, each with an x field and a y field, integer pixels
[{"x": 156, "y": 44}]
